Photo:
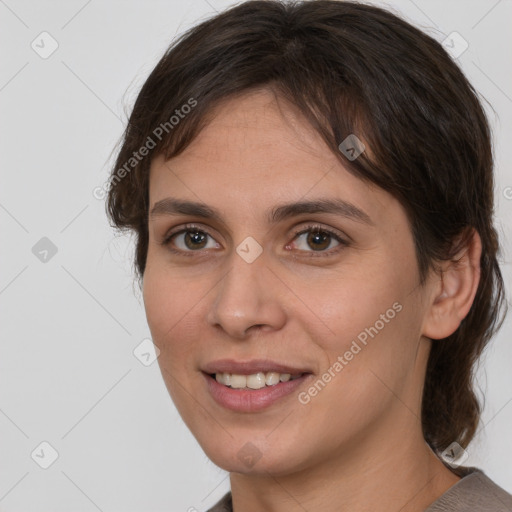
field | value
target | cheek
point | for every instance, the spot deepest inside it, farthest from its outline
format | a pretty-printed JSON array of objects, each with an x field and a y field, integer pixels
[
  {"x": 171, "y": 300},
  {"x": 354, "y": 304},
  {"x": 374, "y": 325}
]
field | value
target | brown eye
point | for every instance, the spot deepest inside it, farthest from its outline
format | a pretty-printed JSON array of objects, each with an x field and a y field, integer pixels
[
  {"x": 315, "y": 239},
  {"x": 318, "y": 240},
  {"x": 195, "y": 239},
  {"x": 190, "y": 239}
]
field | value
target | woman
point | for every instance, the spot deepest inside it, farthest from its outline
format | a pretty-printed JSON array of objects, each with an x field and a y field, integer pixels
[{"x": 311, "y": 189}]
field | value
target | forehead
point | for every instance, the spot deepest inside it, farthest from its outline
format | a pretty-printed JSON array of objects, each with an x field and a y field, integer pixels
[{"x": 258, "y": 150}]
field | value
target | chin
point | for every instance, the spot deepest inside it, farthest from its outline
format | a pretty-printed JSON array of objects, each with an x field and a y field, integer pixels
[{"x": 256, "y": 456}]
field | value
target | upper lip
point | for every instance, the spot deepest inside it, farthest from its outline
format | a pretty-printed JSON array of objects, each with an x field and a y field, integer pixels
[{"x": 251, "y": 367}]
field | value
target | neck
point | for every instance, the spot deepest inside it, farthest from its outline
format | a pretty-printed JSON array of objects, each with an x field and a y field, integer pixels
[{"x": 400, "y": 474}]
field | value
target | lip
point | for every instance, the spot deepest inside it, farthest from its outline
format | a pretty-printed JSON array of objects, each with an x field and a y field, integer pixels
[
  {"x": 251, "y": 400},
  {"x": 252, "y": 366}
]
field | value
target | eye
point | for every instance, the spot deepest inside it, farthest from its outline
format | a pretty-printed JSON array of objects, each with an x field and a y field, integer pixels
[
  {"x": 313, "y": 239},
  {"x": 316, "y": 239},
  {"x": 190, "y": 239}
]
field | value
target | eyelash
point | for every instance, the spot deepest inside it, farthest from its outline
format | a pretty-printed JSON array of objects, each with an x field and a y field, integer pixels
[{"x": 305, "y": 229}]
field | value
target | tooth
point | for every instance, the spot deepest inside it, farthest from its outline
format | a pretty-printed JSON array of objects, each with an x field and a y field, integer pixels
[
  {"x": 223, "y": 378},
  {"x": 238, "y": 381},
  {"x": 271, "y": 378},
  {"x": 253, "y": 381},
  {"x": 256, "y": 381}
]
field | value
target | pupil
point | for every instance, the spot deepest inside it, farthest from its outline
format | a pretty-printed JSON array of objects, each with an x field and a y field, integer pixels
[
  {"x": 194, "y": 238},
  {"x": 315, "y": 237}
]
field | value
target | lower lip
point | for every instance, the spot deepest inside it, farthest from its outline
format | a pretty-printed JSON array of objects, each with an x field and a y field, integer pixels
[{"x": 251, "y": 400}]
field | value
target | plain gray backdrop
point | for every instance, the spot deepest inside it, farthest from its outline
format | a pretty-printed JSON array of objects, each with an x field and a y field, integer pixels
[{"x": 71, "y": 317}]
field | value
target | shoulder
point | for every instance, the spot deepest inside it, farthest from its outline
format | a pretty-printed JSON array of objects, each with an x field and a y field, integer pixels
[{"x": 474, "y": 492}]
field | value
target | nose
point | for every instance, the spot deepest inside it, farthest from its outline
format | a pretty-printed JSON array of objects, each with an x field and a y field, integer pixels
[{"x": 247, "y": 299}]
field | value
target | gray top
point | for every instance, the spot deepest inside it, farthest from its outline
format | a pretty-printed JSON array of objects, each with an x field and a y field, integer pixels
[{"x": 474, "y": 492}]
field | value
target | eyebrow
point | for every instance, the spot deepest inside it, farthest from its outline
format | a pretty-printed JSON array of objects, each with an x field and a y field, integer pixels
[{"x": 173, "y": 206}]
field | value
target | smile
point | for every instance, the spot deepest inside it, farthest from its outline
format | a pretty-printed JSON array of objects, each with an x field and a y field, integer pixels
[
  {"x": 254, "y": 381},
  {"x": 245, "y": 399}
]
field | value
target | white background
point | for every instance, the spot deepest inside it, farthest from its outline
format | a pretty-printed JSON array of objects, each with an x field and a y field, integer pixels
[{"x": 69, "y": 326}]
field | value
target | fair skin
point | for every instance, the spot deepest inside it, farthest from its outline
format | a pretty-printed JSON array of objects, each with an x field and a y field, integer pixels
[{"x": 359, "y": 438}]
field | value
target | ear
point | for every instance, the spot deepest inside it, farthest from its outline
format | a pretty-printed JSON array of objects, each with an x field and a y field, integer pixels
[{"x": 453, "y": 290}]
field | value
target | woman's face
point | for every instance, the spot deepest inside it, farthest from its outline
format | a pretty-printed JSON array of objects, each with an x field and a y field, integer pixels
[{"x": 243, "y": 294}]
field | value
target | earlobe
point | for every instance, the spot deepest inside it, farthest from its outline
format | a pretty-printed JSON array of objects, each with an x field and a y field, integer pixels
[{"x": 454, "y": 290}]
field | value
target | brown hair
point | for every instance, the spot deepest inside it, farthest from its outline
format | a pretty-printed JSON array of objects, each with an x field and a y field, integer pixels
[{"x": 349, "y": 68}]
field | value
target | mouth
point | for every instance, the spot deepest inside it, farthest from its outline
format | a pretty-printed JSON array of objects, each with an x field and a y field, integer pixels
[
  {"x": 253, "y": 385},
  {"x": 253, "y": 381}
]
